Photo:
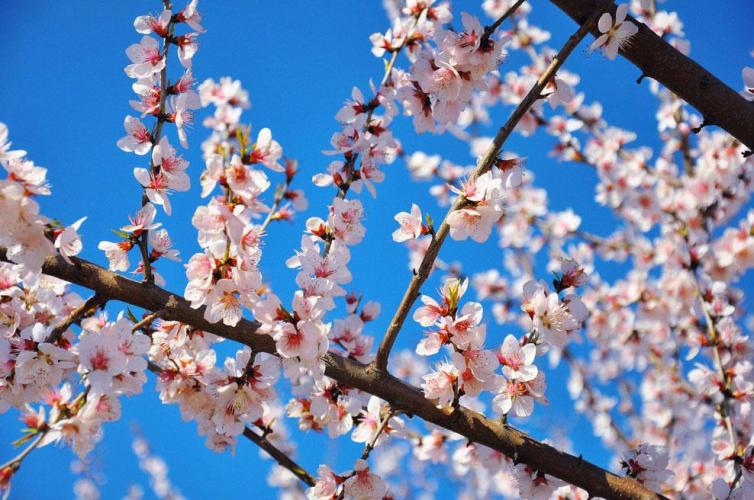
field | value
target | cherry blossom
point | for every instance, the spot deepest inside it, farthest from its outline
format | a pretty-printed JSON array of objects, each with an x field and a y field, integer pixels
[
  {"x": 440, "y": 385},
  {"x": 172, "y": 167},
  {"x": 138, "y": 138},
  {"x": 517, "y": 360},
  {"x": 267, "y": 151},
  {"x": 149, "y": 24},
  {"x": 156, "y": 187},
  {"x": 615, "y": 34},
  {"x": 223, "y": 303},
  {"x": 517, "y": 396},
  {"x": 68, "y": 242},
  {"x": 326, "y": 486},
  {"x": 363, "y": 484},
  {"x": 146, "y": 58},
  {"x": 648, "y": 463},
  {"x": 411, "y": 225}
]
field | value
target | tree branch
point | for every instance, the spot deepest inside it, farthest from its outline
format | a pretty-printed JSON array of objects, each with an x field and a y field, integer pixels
[
  {"x": 484, "y": 164},
  {"x": 280, "y": 457},
  {"x": 489, "y": 30},
  {"x": 401, "y": 396},
  {"x": 719, "y": 104}
]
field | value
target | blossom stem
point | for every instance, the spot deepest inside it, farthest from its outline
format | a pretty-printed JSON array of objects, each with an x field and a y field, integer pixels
[
  {"x": 713, "y": 337},
  {"x": 485, "y": 164},
  {"x": 275, "y": 205},
  {"x": 15, "y": 463}
]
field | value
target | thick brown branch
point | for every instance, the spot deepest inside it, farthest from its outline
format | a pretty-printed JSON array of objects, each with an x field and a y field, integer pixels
[
  {"x": 401, "y": 396},
  {"x": 719, "y": 104},
  {"x": 484, "y": 164}
]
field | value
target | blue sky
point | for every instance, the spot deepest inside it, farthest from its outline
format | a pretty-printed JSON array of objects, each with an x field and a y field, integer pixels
[{"x": 63, "y": 95}]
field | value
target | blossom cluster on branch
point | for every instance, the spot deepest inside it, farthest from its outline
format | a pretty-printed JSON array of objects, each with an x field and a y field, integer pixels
[{"x": 657, "y": 346}]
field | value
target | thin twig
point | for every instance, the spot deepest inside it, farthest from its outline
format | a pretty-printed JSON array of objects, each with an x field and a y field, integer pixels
[
  {"x": 280, "y": 457},
  {"x": 14, "y": 463},
  {"x": 92, "y": 302},
  {"x": 489, "y": 30},
  {"x": 147, "y": 320},
  {"x": 373, "y": 441}
]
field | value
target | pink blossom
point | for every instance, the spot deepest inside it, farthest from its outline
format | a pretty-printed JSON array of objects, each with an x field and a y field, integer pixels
[
  {"x": 363, "y": 484},
  {"x": 440, "y": 385},
  {"x": 223, "y": 303},
  {"x": 146, "y": 58},
  {"x": 326, "y": 486},
  {"x": 68, "y": 242},
  {"x": 171, "y": 166},
  {"x": 138, "y": 139},
  {"x": 156, "y": 187},
  {"x": 117, "y": 254},
  {"x": 267, "y": 152},
  {"x": 410, "y": 224},
  {"x": 614, "y": 34},
  {"x": 148, "y": 24},
  {"x": 517, "y": 360}
]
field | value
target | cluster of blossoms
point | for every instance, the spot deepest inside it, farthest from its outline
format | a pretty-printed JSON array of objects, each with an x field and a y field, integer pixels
[
  {"x": 676, "y": 317},
  {"x": 40, "y": 353},
  {"x": 166, "y": 102},
  {"x": 143, "y": 222},
  {"x": 472, "y": 369},
  {"x": 225, "y": 275},
  {"x": 23, "y": 229},
  {"x": 359, "y": 483},
  {"x": 320, "y": 402},
  {"x": 224, "y": 400},
  {"x": 447, "y": 66}
]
